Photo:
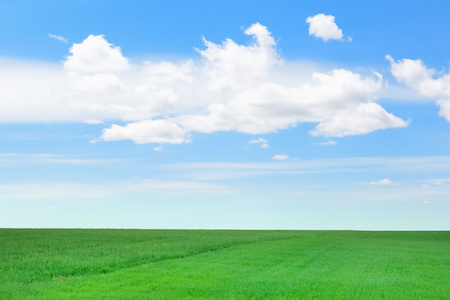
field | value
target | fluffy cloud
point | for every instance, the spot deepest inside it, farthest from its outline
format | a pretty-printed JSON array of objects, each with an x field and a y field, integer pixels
[
  {"x": 234, "y": 67},
  {"x": 148, "y": 131},
  {"x": 324, "y": 27},
  {"x": 365, "y": 118},
  {"x": 242, "y": 88},
  {"x": 340, "y": 101},
  {"x": 444, "y": 110},
  {"x": 92, "y": 64},
  {"x": 416, "y": 75},
  {"x": 95, "y": 55}
]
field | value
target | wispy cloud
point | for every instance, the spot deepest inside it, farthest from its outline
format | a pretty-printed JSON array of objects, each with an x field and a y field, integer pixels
[
  {"x": 329, "y": 143},
  {"x": 356, "y": 164},
  {"x": 280, "y": 157},
  {"x": 382, "y": 182},
  {"x": 58, "y": 38},
  {"x": 78, "y": 191},
  {"x": 261, "y": 141},
  {"x": 438, "y": 181},
  {"x": 21, "y": 159}
]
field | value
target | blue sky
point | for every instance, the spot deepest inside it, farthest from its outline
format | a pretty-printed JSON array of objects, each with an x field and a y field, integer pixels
[{"x": 199, "y": 114}]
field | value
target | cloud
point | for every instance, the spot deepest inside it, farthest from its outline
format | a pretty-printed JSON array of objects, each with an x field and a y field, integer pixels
[
  {"x": 93, "y": 122},
  {"x": 95, "y": 55},
  {"x": 324, "y": 27},
  {"x": 160, "y": 148},
  {"x": 439, "y": 181},
  {"x": 148, "y": 131},
  {"x": 79, "y": 191},
  {"x": 327, "y": 100},
  {"x": 328, "y": 143},
  {"x": 444, "y": 108},
  {"x": 382, "y": 182},
  {"x": 417, "y": 76},
  {"x": 280, "y": 157},
  {"x": 92, "y": 64},
  {"x": 58, "y": 38},
  {"x": 365, "y": 118},
  {"x": 233, "y": 67},
  {"x": 261, "y": 141},
  {"x": 244, "y": 88},
  {"x": 258, "y": 141}
]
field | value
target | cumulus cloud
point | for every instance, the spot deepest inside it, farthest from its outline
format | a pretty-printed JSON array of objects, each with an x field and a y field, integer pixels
[
  {"x": 58, "y": 38},
  {"x": 92, "y": 64},
  {"x": 233, "y": 87},
  {"x": 95, "y": 55},
  {"x": 426, "y": 81},
  {"x": 365, "y": 118},
  {"x": 444, "y": 108},
  {"x": 324, "y": 27},
  {"x": 233, "y": 67},
  {"x": 382, "y": 182},
  {"x": 280, "y": 157},
  {"x": 328, "y": 99}
]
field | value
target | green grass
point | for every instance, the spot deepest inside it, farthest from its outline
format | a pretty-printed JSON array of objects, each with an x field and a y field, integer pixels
[{"x": 174, "y": 264}]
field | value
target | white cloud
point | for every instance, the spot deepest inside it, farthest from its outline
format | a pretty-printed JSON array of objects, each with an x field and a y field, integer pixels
[
  {"x": 280, "y": 157},
  {"x": 258, "y": 141},
  {"x": 382, "y": 182},
  {"x": 160, "y": 148},
  {"x": 74, "y": 191},
  {"x": 261, "y": 141},
  {"x": 438, "y": 181},
  {"x": 93, "y": 122},
  {"x": 328, "y": 143},
  {"x": 95, "y": 82},
  {"x": 233, "y": 67},
  {"x": 95, "y": 55},
  {"x": 92, "y": 65},
  {"x": 417, "y": 76},
  {"x": 148, "y": 131},
  {"x": 58, "y": 38},
  {"x": 327, "y": 100},
  {"x": 324, "y": 27},
  {"x": 242, "y": 88},
  {"x": 365, "y": 118},
  {"x": 444, "y": 108}
]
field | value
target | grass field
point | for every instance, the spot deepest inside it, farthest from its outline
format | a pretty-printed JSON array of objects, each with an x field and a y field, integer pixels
[{"x": 219, "y": 264}]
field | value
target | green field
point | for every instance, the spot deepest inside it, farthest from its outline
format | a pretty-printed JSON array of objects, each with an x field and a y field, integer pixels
[{"x": 221, "y": 264}]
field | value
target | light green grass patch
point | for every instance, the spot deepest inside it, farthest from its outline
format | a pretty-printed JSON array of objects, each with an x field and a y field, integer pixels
[{"x": 283, "y": 264}]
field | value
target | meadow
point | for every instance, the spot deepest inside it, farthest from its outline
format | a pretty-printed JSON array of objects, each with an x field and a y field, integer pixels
[{"x": 223, "y": 264}]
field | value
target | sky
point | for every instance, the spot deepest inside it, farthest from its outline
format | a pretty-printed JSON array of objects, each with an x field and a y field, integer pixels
[{"x": 225, "y": 115}]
